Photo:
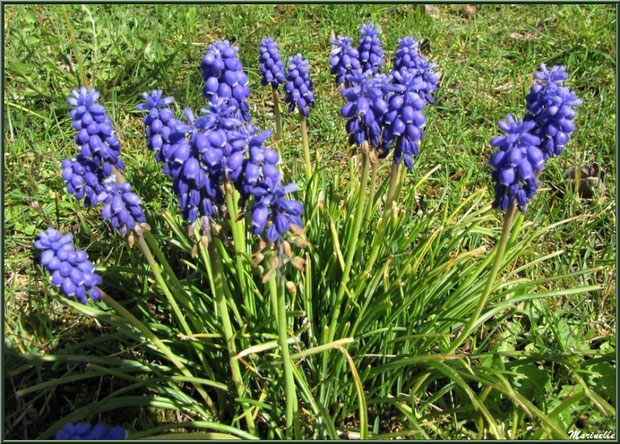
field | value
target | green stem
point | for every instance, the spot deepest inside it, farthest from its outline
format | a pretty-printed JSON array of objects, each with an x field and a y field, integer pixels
[
  {"x": 162, "y": 284},
  {"x": 277, "y": 291},
  {"x": 352, "y": 247},
  {"x": 238, "y": 232},
  {"x": 499, "y": 257},
  {"x": 216, "y": 278},
  {"x": 371, "y": 194},
  {"x": 387, "y": 211},
  {"x": 76, "y": 49},
  {"x": 158, "y": 343},
  {"x": 304, "y": 138},
  {"x": 276, "y": 112},
  {"x": 152, "y": 243}
]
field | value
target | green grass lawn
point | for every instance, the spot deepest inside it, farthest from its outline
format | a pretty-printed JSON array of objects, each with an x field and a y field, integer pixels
[{"x": 486, "y": 63}]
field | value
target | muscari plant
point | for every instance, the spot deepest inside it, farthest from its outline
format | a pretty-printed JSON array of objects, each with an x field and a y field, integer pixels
[{"x": 263, "y": 272}]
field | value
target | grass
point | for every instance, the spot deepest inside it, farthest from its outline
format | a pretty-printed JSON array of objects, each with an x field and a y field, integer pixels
[{"x": 550, "y": 344}]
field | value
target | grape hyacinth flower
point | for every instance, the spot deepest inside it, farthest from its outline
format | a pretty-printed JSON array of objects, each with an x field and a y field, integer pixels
[
  {"x": 71, "y": 270},
  {"x": 83, "y": 179},
  {"x": 95, "y": 136},
  {"x": 251, "y": 160},
  {"x": 271, "y": 65},
  {"x": 516, "y": 163},
  {"x": 552, "y": 107},
  {"x": 121, "y": 207},
  {"x": 369, "y": 49},
  {"x": 298, "y": 87},
  {"x": 344, "y": 60},
  {"x": 365, "y": 108},
  {"x": 406, "y": 54},
  {"x": 159, "y": 121},
  {"x": 273, "y": 215},
  {"x": 84, "y": 430},
  {"x": 224, "y": 77},
  {"x": 404, "y": 121},
  {"x": 408, "y": 57}
]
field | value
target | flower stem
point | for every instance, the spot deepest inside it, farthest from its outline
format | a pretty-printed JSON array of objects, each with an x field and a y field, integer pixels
[
  {"x": 277, "y": 291},
  {"x": 276, "y": 112},
  {"x": 158, "y": 343},
  {"x": 162, "y": 284},
  {"x": 352, "y": 247},
  {"x": 499, "y": 257},
  {"x": 371, "y": 193},
  {"x": 216, "y": 278},
  {"x": 238, "y": 232},
  {"x": 387, "y": 210},
  {"x": 304, "y": 138}
]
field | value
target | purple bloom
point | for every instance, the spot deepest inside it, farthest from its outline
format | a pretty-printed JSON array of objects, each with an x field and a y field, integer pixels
[
  {"x": 164, "y": 133},
  {"x": 71, "y": 270},
  {"x": 273, "y": 214},
  {"x": 552, "y": 107},
  {"x": 83, "y": 179},
  {"x": 406, "y": 54},
  {"x": 369, "y": 49},
  {"x": 408, "y": 57},
  {"x": 405, "y": 121},
  {"x": 95, "y": 136},
  {"x": 298, "y": 87},
  {"x": 121, "y": 207},
  {"x": 344, "y": 60},
  {"x": 516, "y": 163},
  {"x": 271, "y": 65},
  {"x": 251, "y": 161},
  {"x": 85, "y": 431},
  {"x": 365, "y": 108},
  {"x": 224, "y": 77},
  {"x": 159, "y": 121}
]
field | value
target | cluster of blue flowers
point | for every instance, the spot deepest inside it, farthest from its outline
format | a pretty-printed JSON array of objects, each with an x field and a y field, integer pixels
[
  {"x": 516, "y": 163},
  {"x": 71, "y": 270},
  {"x": 221, "y": 145},
  {"x": 344, "y": 60},
  {"x": 95, "y": 136},
  {"x": 529, "y": 142},
  {"x": 298, "y": 87},
  {"x": 89, "y": 176},
  {"x": 84, "y": 430},
  {"x": 121, "y": 207},
  {"x": 384, "y": 110},
  {"x": 369, "y": 49},
  {"x": 224, "y": 77},
  {"x": 552, "y": 106},
  {"x": 271, "y": 65}
]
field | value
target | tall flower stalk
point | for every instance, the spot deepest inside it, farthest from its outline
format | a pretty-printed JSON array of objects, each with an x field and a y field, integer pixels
[
  {"x": 272, "y": 70},
  {"x": 300, "y": 94}
]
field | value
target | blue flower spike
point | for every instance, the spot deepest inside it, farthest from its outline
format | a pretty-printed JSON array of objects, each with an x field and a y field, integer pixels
[
  {"x": 71, "y": 270},
  {"x": 84, "y": 431},
  {"x": 552, "y": 106},
  {"x": 298, "y": 87},
  {"x": 516, "y": 164},
  {"x": 271, "y": 65}
]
